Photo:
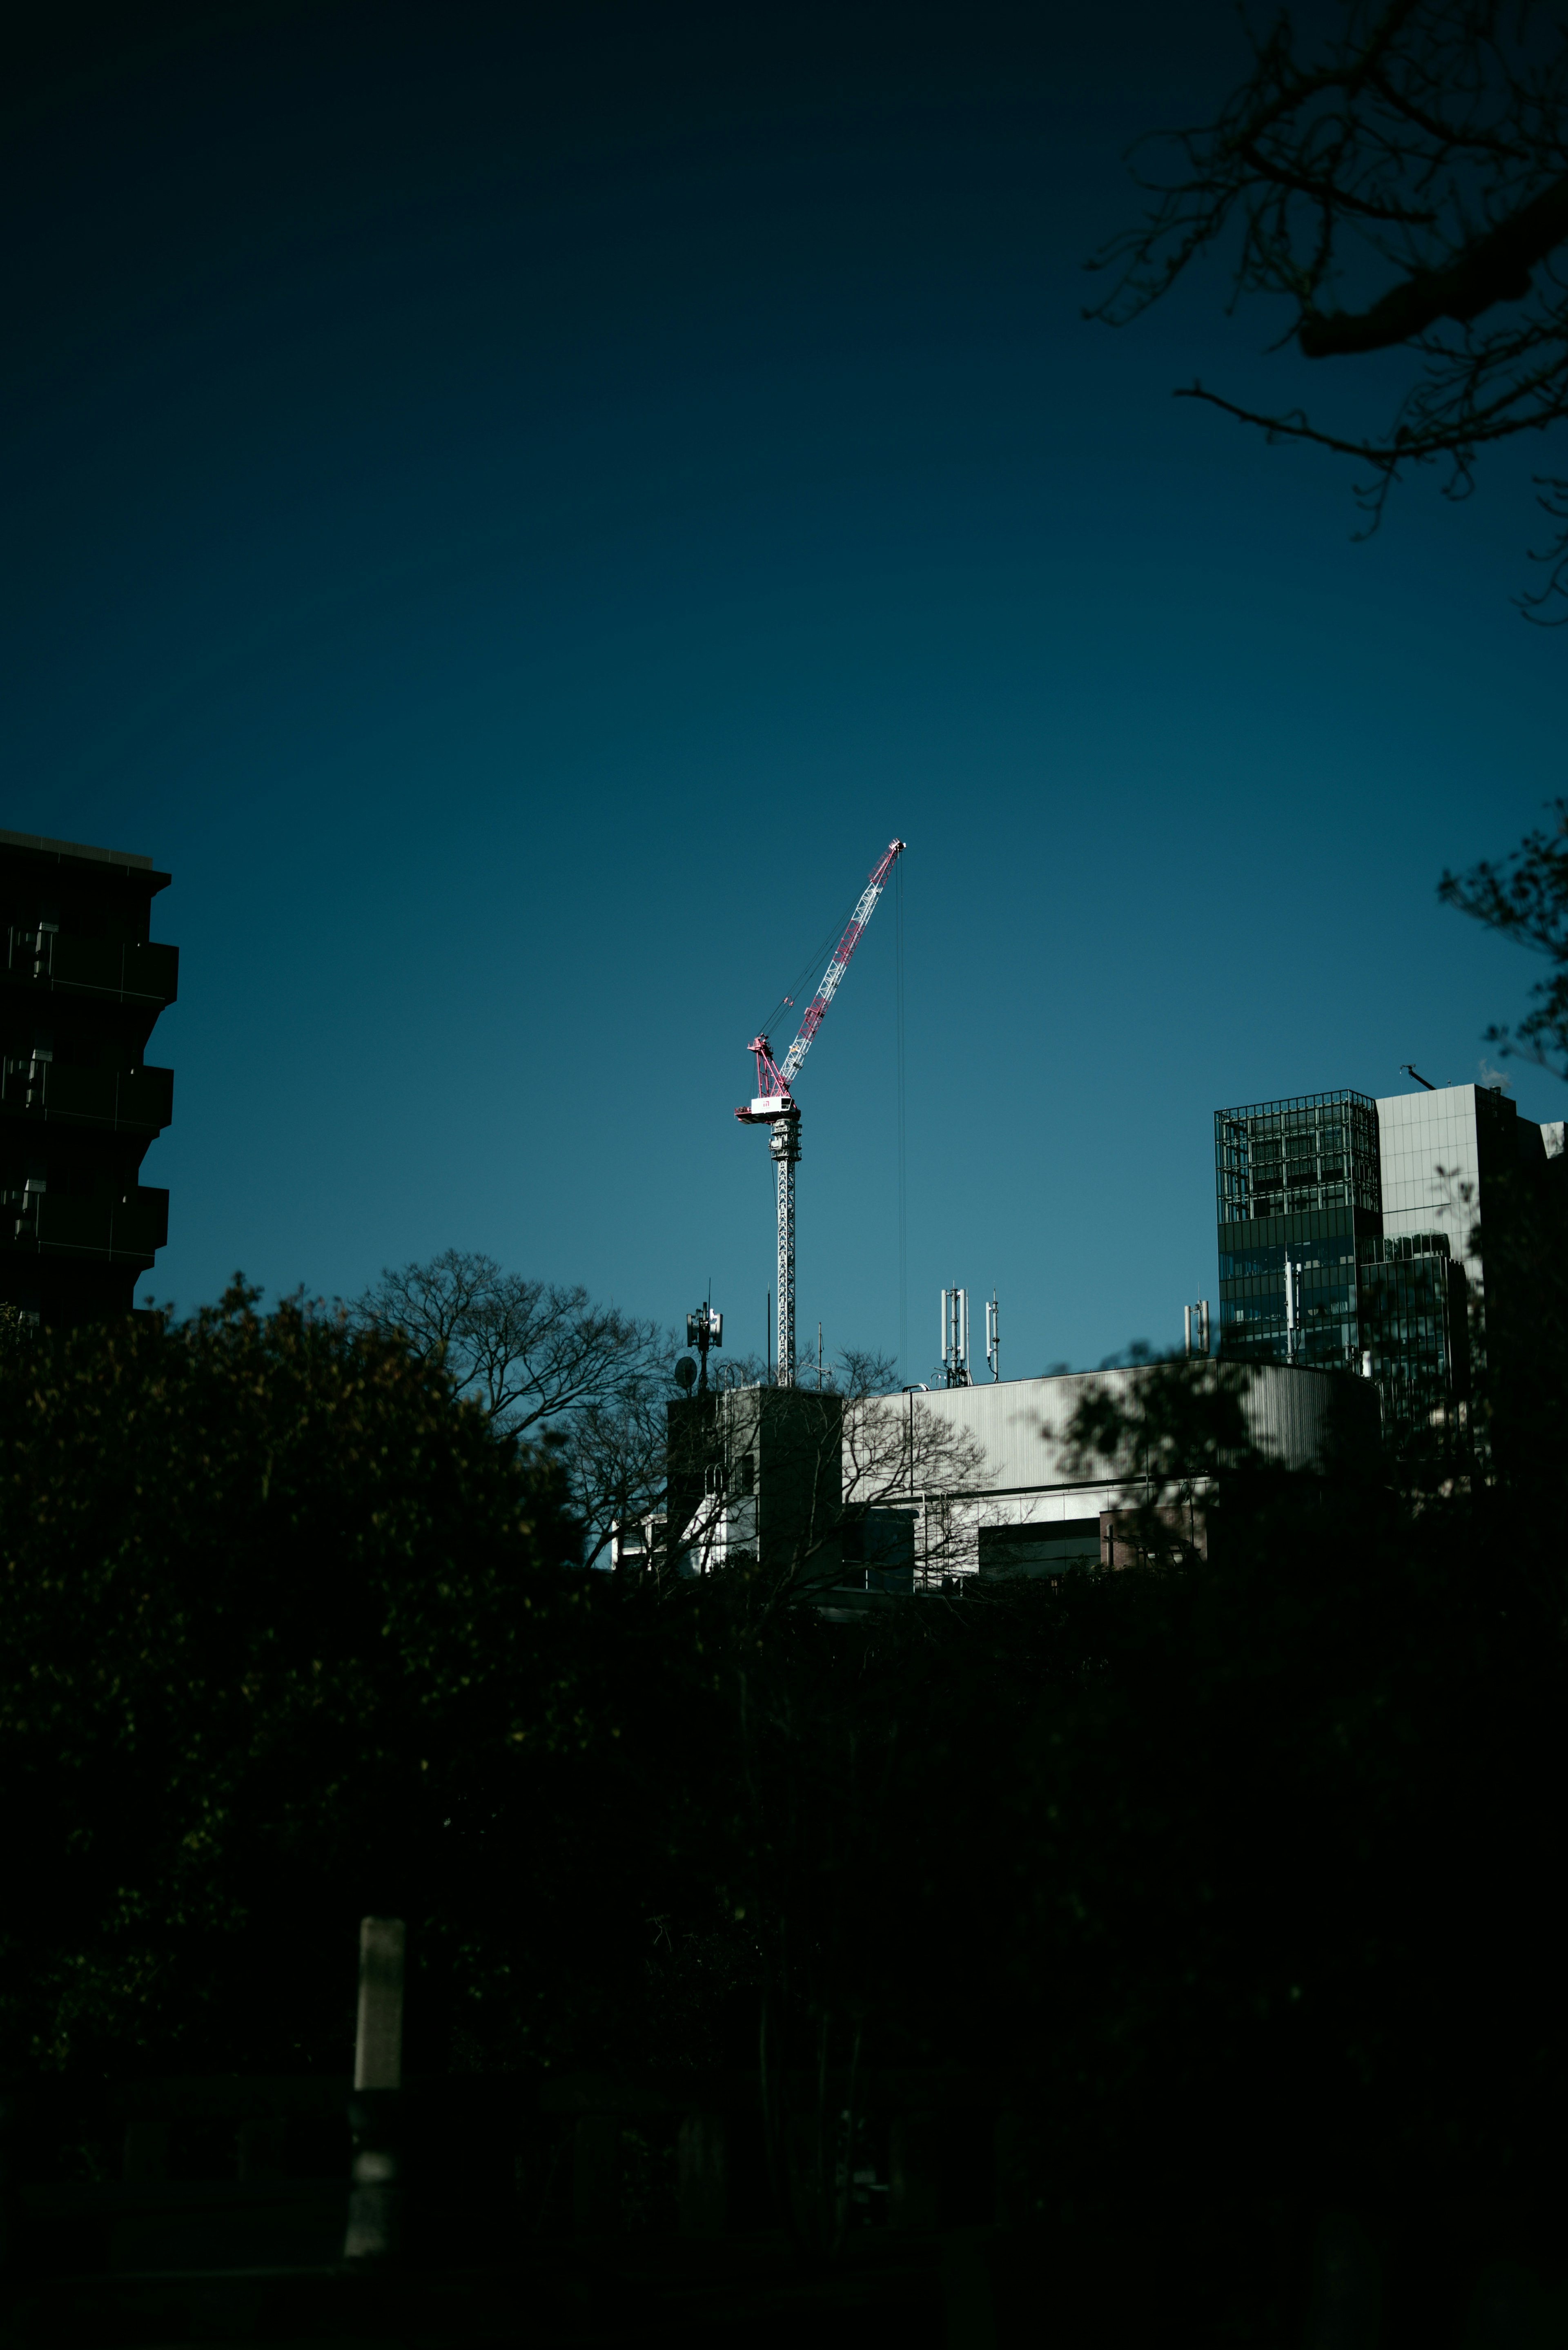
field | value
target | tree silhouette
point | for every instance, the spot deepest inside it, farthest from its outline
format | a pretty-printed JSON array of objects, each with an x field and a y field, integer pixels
[{"x": 1398, "y": 181}]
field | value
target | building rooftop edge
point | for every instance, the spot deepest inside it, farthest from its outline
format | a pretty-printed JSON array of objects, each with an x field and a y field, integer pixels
[
  {"x": 1298, "y": 1101},
  {"x": 43, "y": 845},
  {"x": 1466, "y": 1086},
  {"x": 1119, "y": 1371}
]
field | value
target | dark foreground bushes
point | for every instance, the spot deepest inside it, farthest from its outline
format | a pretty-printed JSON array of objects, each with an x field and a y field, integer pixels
[
  {"x": 1239, "y": 1875},
  {"x": 286, "y": 1635}
]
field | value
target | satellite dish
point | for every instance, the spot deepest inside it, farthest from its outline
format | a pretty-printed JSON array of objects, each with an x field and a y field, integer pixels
[{"x": 686, "y": 1372}]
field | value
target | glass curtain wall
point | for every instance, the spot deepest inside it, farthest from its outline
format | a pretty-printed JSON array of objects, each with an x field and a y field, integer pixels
[
  {"x": 1415, "y": 1327},
  {"x": 1298, "y": 1202},
  {"x": 1307, "y": 1274}
]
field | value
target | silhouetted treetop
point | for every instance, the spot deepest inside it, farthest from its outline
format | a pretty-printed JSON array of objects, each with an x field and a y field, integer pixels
[
  {"x": 1398, "y": 180},
  {"x": 1526, "y": 898}
]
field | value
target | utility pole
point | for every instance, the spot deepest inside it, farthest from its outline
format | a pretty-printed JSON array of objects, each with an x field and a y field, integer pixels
[{"x": 773, "y": 1105}]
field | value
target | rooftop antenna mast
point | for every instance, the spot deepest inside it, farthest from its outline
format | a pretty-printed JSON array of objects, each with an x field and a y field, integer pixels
[
  {"x": 773, "y": 1105},
  {"x": 955, "y": 1337},
  {"x": 704, "y": 1329}
]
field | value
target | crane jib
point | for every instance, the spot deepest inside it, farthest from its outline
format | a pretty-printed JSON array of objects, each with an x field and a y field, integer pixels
[{"x": 839, "y": 965}]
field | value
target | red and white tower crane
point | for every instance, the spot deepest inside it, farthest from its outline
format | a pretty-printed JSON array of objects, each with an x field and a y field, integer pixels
[{"x": 773, "y": 1105}]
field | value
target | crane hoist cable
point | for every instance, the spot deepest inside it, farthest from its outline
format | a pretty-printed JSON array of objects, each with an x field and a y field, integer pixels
[{"x": 810, "y": 971}]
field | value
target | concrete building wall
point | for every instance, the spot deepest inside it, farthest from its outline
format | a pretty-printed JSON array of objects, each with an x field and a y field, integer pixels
[
  {"x": 1033, "y": 1507},
  {"x": 1437, "y": 1149},
  {"x": 1023, "y": 1423},
  {"x": 940, "y": 1485},
  {"x": 755, "y": 1472}
]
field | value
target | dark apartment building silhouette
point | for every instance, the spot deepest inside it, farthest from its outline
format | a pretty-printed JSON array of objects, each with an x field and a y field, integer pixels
[{"x": 81, "y": 987}]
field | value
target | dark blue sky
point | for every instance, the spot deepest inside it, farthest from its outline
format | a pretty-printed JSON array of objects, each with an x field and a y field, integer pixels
[{"x": 515, "y": 510}]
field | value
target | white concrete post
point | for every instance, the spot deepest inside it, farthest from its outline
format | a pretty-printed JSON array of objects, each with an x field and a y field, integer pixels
[
  {"x": 374, "y": 2195},
  {"x": 378, "y": 2036}
]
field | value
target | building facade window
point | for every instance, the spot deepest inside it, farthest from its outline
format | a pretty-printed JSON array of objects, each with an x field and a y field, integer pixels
[{"x": 1331, "y": 1254}]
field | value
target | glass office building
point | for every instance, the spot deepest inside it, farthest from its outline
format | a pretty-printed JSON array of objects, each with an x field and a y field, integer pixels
[
  {"x": 1308, "y": 1273},
  {"x": 1297, "y": 1191},
  {"x": 1414, "y": 1330}
]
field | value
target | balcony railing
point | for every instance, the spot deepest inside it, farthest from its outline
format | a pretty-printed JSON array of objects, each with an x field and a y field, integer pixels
[
  {"x": 141, "y": 1099},
  {"x": 138, "y": 971},
  {"x": 133, "y": 1224}
]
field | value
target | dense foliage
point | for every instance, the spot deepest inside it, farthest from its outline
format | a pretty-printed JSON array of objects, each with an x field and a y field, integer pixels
[
  {"x": 1237, "y": 1869},
  {"x": 1241, "y": 1868},
  {"x": 281, "y": 1621}
]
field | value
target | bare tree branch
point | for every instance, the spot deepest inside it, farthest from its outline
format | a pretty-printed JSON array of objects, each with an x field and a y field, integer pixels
[
  {"x": 613, "y": 1450},
  {"x": 542, "y": 1358},
  {"x": 1393, "y": 183},
  {"x": 845, "y": 1465},
  {"x": 528, "y": 1351},
  {"x": 1494, "y": 267},
  {"x": 1526, "y": 899}
]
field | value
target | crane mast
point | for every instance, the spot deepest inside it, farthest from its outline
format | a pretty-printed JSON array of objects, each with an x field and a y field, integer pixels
[{"x": 773, "y": 1105}]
